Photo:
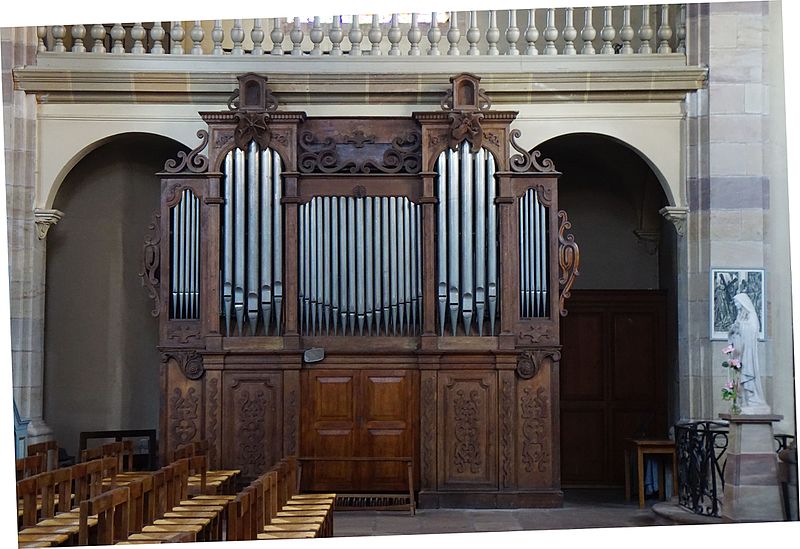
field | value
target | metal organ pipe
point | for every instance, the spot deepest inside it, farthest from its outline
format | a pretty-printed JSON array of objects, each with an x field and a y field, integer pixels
[
  {"x": 491, "y": 244},
  {"x": 467, "y": 295},
  {"x": 326, "y": 263},
  {"x": 368, "y": 263},
  {"x": 251, "y": 243},
  {"x": 441, "y": 239},
  {"x": 533, "y": 253},
  {"x": 453, "y": 207},
  {"x": 480, "y": 239}
]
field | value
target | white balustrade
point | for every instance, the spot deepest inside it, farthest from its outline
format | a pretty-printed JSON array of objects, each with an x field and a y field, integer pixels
[{"x": 550, "y": 31}]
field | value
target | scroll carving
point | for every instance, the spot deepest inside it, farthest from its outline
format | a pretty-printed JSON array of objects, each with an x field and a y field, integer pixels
[
  {"x": 534, "y": 334},
  {"x": 151, "y": 259},
  {"x": 528, "y": 161},
  {"x": 183, "y": 419},
  {"x": 402, "y": 155},
  {"x": 535, "y": 453},
  {"x": 506, "y": 404},
  {"x": 428, "y": 417},
  {"x": 193, "y": 162},
  {"x": 467, "y": 451},
  {"x": 251, "y": 431},
  {"x": 190, "y": 363},
  {"x": 530, "y": 362},
  {"x": 568, "y": 260}
]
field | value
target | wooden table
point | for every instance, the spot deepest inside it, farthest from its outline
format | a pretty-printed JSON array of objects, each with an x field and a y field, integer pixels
[{"x": 644, "y": 447}]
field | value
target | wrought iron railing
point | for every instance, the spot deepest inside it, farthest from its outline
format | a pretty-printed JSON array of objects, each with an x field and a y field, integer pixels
[{"x": 701, "y": 447}]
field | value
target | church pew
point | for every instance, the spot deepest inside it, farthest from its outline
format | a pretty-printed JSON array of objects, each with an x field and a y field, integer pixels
[{"x": 29, "y": 466}]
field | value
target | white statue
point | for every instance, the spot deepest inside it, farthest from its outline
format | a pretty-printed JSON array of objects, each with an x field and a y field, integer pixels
[{"x": 743, "y": 335}]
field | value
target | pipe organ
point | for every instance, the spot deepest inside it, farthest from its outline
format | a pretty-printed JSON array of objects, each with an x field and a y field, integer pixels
[{"x": 426, "y": 264}]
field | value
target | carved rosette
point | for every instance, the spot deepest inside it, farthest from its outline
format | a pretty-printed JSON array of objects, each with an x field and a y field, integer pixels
[
  {"x": 151, "y": 259},
  {"x": 428, "y": 418},
  {"x": 193, "y": 162},
  {"x": 466, "y": 125},
  {"x": 534, "y": 414},
  {"x": 251, "y": 431},
  {"x": 467, "y": 450},
  {"x": 252, "y": 126},
  {"x": 525, "y": 161},
  {"x": 568, "y": 260},
  {"x": 183, "y": 417},
  {"x": 190, "y": 362}
]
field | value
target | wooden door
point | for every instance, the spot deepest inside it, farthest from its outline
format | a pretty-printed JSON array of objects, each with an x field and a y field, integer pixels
[
  {"x": 612, "y": 381},
  {"x": 358, "y": 413}
]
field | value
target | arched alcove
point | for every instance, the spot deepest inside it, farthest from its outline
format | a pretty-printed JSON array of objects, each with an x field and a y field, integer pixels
[
  {"x": 617, "y": 368},
  {"x": 100, "y": 338}
]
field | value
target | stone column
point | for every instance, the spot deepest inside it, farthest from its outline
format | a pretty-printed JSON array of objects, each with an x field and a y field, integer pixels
[
  {"x": 752, "y": 488},
  {"x": 26, "y": 252}
]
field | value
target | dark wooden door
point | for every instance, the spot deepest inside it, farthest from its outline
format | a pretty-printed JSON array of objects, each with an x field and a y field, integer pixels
[
  {"x": 613, "y": 377},
  {"x": 358, "y": 413}
]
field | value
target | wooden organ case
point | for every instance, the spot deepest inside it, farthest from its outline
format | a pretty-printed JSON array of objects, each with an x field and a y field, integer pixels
[{"x": 365, "y": 288}]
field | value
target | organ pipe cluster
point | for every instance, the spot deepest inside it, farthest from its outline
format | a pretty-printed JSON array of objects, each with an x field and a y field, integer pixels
[
  {"x": 185, "y": 267},
  {"x": 466, "y": 241},
  {"x": 533, "y": 266},
  {"x": 360, "y": 266},
  {"x": 252, "y": 242}
]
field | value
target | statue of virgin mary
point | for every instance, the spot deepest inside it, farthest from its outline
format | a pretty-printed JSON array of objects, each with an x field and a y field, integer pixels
[{"x": 743, "y": 335}]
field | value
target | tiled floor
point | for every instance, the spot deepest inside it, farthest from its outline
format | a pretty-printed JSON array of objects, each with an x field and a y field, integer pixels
[{"x": 582, "y": 509}]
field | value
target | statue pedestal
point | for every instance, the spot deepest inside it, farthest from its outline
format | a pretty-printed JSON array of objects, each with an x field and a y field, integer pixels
[{"x": 752, "y": 489}]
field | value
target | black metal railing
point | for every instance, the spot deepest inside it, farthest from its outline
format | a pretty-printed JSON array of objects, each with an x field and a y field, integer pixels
[{"x": 701, "y": 447}]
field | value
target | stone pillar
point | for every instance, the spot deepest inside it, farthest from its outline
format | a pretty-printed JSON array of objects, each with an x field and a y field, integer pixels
[
  {"x": 26, "y": 252},
  {"x": 752, "y": 488}
]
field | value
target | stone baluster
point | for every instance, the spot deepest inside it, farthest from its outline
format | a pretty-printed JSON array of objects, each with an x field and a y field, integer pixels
[
  {"x": 59, "y": 32},
  {"x": 512, "y": 33},
  {"x": 277, "y": 37},
  {"x": 434, "y": 35},
  {"x": 550, "y": 33},
  {"x": 626, "y": 32},
  {"x": 118, "y": 35},
  {"x": 375, "y": 36},
  {"x": 316, "y": 35},
  {"x": 588, "y": 33},
  {"x": 41, "y": 34},
  {"x": 492, "y": 34},
  {"x": 681, "y": 31},
  {"x": 257, "y": 35},
  {"x": 664, "y": 31},
  {"x": 237, "y": 35},
  {"x": 473, "y": 34},
  {"x": 355, "y": 35},
  {"x": 138, "y": 34},
  {"x": 296, "y": 36},
  {"x": 336, "y": 35},
  {"x": 395, "y": 35},
  {"x": 645, "y": 32},
  {"x": 157, "y": 35},
  {"x": 176, "y": 35},
  {"x": 217, "y": 36},
  {"x": 98, "y": 33},
  {"x": 414, "y": 35},
  {"x": 453, "y": 34},
  {"x": 607, "y": 33},
  {"x": 570, "y": 33},
  {"x": 196, "y": 34},
  {"x": 78, "y": 34}
]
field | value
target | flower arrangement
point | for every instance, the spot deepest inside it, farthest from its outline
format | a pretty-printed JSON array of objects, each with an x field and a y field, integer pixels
[{"x": 732, "y": 388}]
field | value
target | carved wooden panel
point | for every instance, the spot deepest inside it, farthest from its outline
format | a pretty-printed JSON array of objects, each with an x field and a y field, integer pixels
[
  {"x": 182, "y": 406},
  {"x": 467, "y": 430},
  {"x": 213, "y": 427},
  {"x": 291, "y": 413},
  {"x": 507, "y": 438},
  {"x": 253, "y": 421},
  {"x": 536, "y": 417},
  {"x": 428, "y": 432}
]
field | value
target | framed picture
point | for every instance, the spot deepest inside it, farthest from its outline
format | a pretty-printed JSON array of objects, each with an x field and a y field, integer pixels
[{"x": 726, "y": 283}]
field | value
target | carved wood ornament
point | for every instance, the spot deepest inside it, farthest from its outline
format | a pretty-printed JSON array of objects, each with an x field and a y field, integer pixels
[
  {"x": 465, "y": 101},
  {"x": 151, "y": 260},
  {"x": 568, "y": 260}
]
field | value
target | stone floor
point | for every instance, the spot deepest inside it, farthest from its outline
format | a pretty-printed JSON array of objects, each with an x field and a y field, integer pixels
[{"x": 582, "y": 509}]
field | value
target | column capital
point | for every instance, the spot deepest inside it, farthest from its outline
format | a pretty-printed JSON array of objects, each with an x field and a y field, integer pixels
[
  {"x": 44, "y": 219},
  {"x": 677, "y": 216}
]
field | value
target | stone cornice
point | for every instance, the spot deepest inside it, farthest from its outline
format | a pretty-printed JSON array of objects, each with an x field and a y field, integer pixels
[{"x": 209, "y": 80}]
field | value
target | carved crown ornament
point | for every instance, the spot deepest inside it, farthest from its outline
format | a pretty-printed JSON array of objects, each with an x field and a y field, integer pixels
[
  {"x": 252, "y": 102},
  {"x": 465, "y": 101}
]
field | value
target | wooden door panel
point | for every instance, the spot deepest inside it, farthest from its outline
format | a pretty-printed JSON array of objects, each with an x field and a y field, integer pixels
[
  {"x": 634, "y": 335},
  {"x": 582, "y": 356},
  {"x": 467, "y": 428},
  {"x": 583, "y": 445}
]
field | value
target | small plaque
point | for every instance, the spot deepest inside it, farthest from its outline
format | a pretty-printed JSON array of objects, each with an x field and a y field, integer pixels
[{"x": 315, "y": 354}]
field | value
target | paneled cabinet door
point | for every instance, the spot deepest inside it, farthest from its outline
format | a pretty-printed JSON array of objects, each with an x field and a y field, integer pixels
[
  {"x": 358, "y": 413},
  {"x": 467, "y": 430}
]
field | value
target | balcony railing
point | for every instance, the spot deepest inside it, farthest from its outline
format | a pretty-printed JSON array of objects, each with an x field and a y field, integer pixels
[{"x": 648, "y": 30}]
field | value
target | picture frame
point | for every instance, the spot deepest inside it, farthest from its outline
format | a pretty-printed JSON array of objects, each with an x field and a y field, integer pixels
[{"x": 726, "y": 283}]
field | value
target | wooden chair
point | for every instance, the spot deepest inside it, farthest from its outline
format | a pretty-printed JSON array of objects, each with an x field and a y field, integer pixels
[
  {"x": 47, "y": 449},
  {"x": 111, "y": 510},
  {"x": 239, "y": 524},
  {"x": 266, "y": 520},
  {"x": 227, "y": 477},
  {"x": 177, "y": 506},
  {"x": 29, "y": 466},
  {"x": 50, "y": 493},
  {"x": 141, "y": 516}
]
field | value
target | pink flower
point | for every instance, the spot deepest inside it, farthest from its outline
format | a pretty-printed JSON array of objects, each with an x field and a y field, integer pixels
[
  {"x": 735, "y": 363},
  {"x": 729, "y": 385},
  {"x": 728, "y": 350}
]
